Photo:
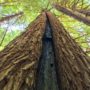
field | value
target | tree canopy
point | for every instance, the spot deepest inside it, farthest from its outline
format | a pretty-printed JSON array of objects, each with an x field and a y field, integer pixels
[{"x": 15, "y": 15}]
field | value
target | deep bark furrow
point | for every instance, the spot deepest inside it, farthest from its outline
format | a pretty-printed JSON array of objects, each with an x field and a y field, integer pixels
[{"x": 46, "y": 74}]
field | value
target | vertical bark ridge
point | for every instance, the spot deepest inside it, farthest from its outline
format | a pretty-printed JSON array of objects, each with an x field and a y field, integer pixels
[
  {"x": 73, "y": 65},
  {"x": 19, "y": 59}
]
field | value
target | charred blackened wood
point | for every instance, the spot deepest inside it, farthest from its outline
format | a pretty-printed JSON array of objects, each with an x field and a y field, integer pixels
[{"x": 46, "y": 78}]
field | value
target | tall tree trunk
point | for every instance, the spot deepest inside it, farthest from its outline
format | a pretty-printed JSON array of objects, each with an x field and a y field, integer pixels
[
  {"x": 10, "y": 16},
  {"x": 19, "y": 60},
  {"x": 74, "y": 14},
  {"x": 85, "y": 12},
  {"x": 73, "y": 65}
]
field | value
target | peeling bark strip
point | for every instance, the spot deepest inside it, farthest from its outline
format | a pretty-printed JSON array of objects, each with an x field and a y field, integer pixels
[
  {"x": 73, "y": 65},
  {"x": 10, "y": 16},
  {"x": 19, "y": 60},
  {"x": 73, "y": 14}
]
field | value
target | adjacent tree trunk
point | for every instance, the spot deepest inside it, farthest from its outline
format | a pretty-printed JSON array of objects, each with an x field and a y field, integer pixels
[
  {"x": 19, "y": 59},
  {"x": 10, "y": 16},
  {"x": 73, "y": 65},
  {"x": 85, "y": 12},
  {"x": 74, "y": 14}
]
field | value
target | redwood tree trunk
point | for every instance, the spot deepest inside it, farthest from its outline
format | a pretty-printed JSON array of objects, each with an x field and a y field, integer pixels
[
  {"x": 73, "y": 65},
  {"x": 74, "y": 14},
  {"x": 10, "y": 16},
  {"x": 85, "y": 12},
  {"x": 19, "y": 59}
]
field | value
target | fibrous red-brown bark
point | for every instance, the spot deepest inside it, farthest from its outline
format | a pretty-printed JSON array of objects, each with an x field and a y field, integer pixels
[
  {"x": 73, "y": 65},
  {"x": 19, "y": 59},
  {"x": 75, "y": 14}
]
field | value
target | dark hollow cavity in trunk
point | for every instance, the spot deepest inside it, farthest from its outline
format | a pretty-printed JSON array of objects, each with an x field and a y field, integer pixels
[{"x": 46, "y": 73}]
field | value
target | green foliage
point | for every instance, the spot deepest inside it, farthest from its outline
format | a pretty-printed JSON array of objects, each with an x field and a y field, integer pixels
[
  {"x": 8, "y": 37},
  {"x": 31, "y": 8}
]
